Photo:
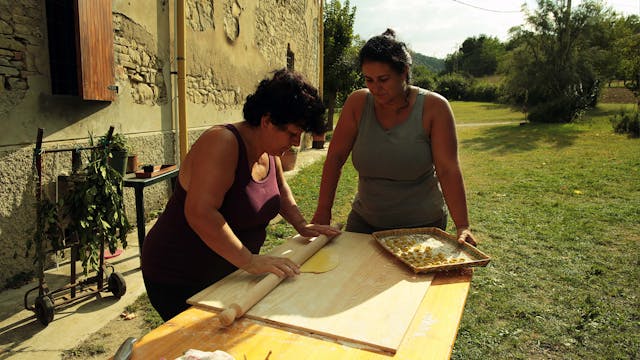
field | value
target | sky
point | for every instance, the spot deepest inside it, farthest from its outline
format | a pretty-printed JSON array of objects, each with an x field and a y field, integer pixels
[{"x": 438, "y": 27}]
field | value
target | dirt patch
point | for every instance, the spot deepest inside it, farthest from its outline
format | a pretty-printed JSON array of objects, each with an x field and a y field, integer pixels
[
  {"x": 617, "y": 95},
  {"x": 104, "y": 343}
]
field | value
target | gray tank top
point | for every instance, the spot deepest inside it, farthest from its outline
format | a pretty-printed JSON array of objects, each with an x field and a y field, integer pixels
[{"x": 397, "y": 185}]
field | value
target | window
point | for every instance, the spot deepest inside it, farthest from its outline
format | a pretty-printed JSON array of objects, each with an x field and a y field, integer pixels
[{"x": 81, "y": 48}]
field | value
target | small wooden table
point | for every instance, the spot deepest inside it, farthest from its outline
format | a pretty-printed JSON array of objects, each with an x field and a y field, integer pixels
[
  {"x": 431, "y": 334},
  {"x": 138, "y": 184}
]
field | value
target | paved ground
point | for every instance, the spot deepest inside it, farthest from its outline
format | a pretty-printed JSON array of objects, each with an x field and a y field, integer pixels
[{"x": 22, "y": 336}]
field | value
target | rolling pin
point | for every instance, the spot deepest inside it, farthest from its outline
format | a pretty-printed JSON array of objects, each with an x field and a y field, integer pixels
[{"x": 269, "y": 282}]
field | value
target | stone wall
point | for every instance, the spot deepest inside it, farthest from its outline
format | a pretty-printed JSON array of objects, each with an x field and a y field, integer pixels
[
  {"x": 231, "y": 46},
  {"x": 137, "y": 61},
  {"x": 20, "y": 30}
]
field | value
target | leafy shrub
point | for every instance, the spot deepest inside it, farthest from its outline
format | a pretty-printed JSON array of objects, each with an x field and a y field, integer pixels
[
  {"x": 627, "y": 123},
  {"x": 559, "y": 110},
  {"x": 566, "y": 106},
  {"x": 454, "y": 86},
  {"x": 483, "y": 92},
  {"x": 425, "y": 82}
]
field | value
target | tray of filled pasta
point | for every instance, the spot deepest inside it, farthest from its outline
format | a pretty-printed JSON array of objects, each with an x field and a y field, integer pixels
[{"x": 429, "y": 249}]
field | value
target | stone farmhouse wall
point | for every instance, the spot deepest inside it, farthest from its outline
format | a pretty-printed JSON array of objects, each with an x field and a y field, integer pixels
[{"x": 230, "y": 46}]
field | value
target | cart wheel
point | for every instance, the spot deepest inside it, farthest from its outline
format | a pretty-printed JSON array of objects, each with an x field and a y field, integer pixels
[
  {"x": 44, "y": 309},
  {"x": 117, "y": 285}
]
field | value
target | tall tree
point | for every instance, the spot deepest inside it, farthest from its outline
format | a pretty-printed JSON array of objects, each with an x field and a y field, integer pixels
[
  {"x": 477, "y": 56},
  {"x": 551, "y": 71},
  {"x": 627, "y": 50},
  {"x": 338, "y": 66}
]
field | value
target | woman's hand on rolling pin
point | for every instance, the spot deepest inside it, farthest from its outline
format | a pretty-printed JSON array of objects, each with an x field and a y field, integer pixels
[
  {"x": 279, "y": 266},
  {"x": 312, "y": 230}
]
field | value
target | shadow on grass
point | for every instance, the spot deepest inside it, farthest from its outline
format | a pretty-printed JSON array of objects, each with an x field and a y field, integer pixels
[
  {"x": 497, "y": 106},
  {"x": 522, "y": 138}
]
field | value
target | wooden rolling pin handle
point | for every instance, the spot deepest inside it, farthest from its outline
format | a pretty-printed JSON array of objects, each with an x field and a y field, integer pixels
[
  {"x": 268, "y": 283},
  {"x": 260, "y": 290},
  {"x": 230, "y": 314}
]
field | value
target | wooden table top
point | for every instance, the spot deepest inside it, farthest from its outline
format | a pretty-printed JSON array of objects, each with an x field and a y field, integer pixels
[{"x": 431, "y": 334}]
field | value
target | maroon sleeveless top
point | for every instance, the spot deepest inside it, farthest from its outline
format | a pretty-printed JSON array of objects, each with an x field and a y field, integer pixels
[{"x": 174, "y": 254}]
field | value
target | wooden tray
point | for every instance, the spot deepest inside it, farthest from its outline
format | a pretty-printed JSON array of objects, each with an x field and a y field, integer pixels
[
  {"x": 429, "y": 245},
  {"x": 157, "y": 170}
]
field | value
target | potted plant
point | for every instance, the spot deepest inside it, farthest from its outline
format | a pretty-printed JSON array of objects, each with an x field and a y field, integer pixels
[
  {"x": 95, "y": 204},
  {"x": 119, "y": 151},
  {"x": 288, "y": 159}
]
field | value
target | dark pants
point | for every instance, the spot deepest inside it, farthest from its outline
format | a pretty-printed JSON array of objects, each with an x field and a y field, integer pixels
[
  {"x": 170, "y": 300},
  {"x": 355, "y": 223}
]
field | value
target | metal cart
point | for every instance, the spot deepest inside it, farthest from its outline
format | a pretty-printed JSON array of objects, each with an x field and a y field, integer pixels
[{"x": 47, "y": 300}]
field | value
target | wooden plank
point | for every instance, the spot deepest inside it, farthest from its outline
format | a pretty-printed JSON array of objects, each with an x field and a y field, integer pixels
[
  {"x": 431, "y": 334},
  {"x": 370, "y": 298},
  {"x": 95, "y": 49}
]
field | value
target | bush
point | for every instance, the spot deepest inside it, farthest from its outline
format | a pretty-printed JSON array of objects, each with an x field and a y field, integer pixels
[
  {"x": 454, "y": 86},
  {"x": 559, "y": 110},
  {"x": 483, "y": 92},
  {"x": 425, "y": 83},
  {"x": 563, "y": 107},
  {"x": 627, "y": 123}
]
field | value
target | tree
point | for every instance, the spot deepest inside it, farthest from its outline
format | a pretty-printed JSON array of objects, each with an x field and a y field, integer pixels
[
  {"x": 551, "y": 72},
  {"x": 477, "y": 56},
  {"x": 627, "y": 48},
  {"x": 423, "y": 77},
  {"x": 338, "y": 66}
]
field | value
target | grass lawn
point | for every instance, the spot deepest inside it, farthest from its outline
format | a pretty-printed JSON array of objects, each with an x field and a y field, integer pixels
[
  {"x": 557, "y": 208},
  {"x": 467, "y": 112}
]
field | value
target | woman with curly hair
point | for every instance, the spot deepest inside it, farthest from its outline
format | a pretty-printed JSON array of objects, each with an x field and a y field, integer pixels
[{"x": 230, "y": 186}]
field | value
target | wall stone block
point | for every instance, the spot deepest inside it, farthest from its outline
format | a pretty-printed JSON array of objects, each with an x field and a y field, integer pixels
[
  {"x": 138, "y": 63},
  {"x": 199, "y": 15},
  {"x": 10, "y": 71},
  {"x": 17, "y": 84},
  {"x": 5, "y": 28}
]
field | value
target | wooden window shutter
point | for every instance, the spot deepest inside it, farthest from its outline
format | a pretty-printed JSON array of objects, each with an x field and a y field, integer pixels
[{"x": 95, "y": 50}]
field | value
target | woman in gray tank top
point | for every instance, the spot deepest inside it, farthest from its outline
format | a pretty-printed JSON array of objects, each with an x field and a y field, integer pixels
[{"x": 404, "y": 147}]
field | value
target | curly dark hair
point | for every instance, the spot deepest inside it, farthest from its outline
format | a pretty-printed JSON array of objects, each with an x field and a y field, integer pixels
[
  {"x": 386, "y": 49},
  {"x": 289, "y": 99}
]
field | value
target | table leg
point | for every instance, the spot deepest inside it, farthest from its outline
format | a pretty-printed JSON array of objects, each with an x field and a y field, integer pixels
[
  {"x": 173, "y": 183},
  {"x": 140, "y": 223}
]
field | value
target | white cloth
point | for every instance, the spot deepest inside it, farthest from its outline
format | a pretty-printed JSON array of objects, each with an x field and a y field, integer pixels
[{"x": 193, "y": 354}]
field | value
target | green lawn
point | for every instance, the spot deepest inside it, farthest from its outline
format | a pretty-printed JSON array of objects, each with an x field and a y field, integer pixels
[
  {"x": 557, "y": 208},
  {"x": 467, "y": 112}
]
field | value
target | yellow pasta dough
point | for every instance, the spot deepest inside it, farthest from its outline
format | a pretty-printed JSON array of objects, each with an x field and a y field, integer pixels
[{"x": 326, "y": 259}]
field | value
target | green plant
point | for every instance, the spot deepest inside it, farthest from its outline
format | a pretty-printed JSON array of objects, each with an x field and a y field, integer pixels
[
  {"x": 85, "y": 351},
  {"x": 118, "y": 142},
  {"x": 627, "y": 122},
  {"x": 454, "y": 86},
  {"x": 48, "y": 227},
  {"x": 96, "y": 206}
]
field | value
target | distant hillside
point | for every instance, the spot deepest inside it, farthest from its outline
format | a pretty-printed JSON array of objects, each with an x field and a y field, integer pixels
[{"x": 433, "y": 64}]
